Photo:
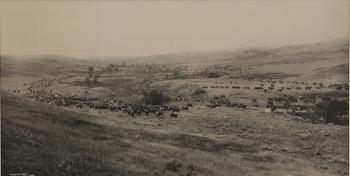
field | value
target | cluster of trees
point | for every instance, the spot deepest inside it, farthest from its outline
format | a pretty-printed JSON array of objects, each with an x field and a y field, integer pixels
[
  {"x": 154, "y": 97},
  {"x": 92, "y": 77},
  {"x": 333, "y": 111}
]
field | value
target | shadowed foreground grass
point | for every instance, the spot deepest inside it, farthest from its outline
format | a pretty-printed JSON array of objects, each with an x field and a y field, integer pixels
[{"x": 46, "y": 140}]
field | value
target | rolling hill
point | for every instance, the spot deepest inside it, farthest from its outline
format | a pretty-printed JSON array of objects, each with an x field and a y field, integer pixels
[
  {"x": 37, "y": 66},
  {"x": 303, "y": 59}
]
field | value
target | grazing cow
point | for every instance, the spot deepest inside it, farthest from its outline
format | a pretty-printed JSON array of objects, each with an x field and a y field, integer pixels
[
  {"x": 239, "y": 105},
  {"x": 137, "y": 112},
  {"x": 146, "y": 112},
  {"x": 79, "y": 105},
  {"x": 174, "y": 115},
  {"x": 255, "y": 102},
  {"x": 159, "y": 113},
  {"x": 175, "y": 108},
  {"x": 184, "y": 108}
]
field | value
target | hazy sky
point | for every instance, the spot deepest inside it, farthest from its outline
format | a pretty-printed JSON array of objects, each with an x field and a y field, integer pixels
[{"x": 123, "y": 28}]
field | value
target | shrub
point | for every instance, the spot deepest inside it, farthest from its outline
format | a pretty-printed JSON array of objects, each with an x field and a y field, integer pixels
[
  {"x": 209, "y": 74},
  {"x": 198, "y": 91},
  {"x": 154, "y": 97},
  {"x": 333, "y": 111},
  {"x": 214, "y": 74},
  {"x": 174, "y": 166}
]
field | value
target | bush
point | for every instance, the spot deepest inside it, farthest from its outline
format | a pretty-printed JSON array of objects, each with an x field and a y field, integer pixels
[
  {"x": 210, "y": 74},
  {"x": 214, "y": 74},
  {"x": 154, "y": 97},
  {"x": 333, "y": 111},
  {"x": 198, "y": 91},
  {"x": 174, "y": 166}
]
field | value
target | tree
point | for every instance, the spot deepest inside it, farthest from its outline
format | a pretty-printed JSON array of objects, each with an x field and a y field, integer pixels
[
  {"x": 95, "y": 79},
  {"x": 176, "y": 73},
  {"x": 109, "y": 69},
  {"x": 90, "y": 70}
]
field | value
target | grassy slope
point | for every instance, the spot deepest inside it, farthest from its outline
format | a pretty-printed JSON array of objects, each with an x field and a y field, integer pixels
[
  {"x": 36, "y": 66},
  {"x": 303, "y": 59},
  {"x": 46, "y": 140}
]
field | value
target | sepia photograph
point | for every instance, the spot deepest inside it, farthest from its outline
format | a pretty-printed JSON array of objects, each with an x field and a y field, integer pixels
[{"x": 174, "y": 88}]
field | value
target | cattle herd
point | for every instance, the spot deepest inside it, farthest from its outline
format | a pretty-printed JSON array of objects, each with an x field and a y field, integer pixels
[
  {"x": 267, "y": 88},
  {"x": 108, "y": 104},
  {"x": 37, "y": 91},
  {"x": 222, "y": 101}
]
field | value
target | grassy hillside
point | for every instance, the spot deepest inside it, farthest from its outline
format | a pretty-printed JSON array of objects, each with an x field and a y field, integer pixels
[
  {"x": 37, "y": 66},
  {"x": 301, "y": 59},
  {"x": 46, "y": 140},
  {"x": 334, "y": 49}
]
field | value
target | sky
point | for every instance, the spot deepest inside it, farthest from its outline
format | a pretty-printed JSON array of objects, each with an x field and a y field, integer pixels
[{"x": 121, "y": 28}]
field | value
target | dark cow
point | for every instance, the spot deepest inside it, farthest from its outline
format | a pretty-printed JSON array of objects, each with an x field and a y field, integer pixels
[
  {"x": 174, "y": 115},
  {"x": 159, "y": 113}
]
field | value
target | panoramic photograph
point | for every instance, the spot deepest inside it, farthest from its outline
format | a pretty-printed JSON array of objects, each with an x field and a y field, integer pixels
[{"x": 175, "y": 88}]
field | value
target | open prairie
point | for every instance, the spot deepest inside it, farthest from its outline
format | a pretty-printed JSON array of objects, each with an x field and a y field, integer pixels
[{"x": 253, "y": 111}]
